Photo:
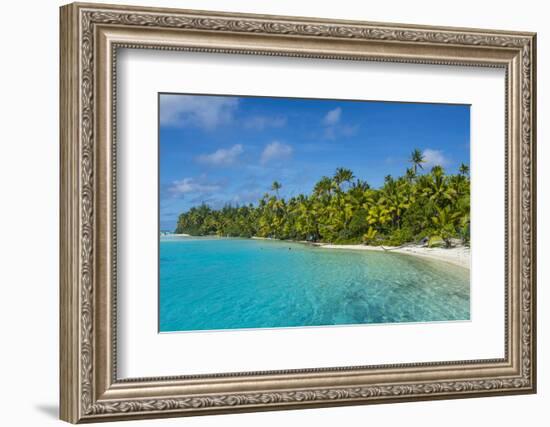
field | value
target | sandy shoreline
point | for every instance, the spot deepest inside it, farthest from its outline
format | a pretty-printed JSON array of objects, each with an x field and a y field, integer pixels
[{"x": 459, "y": 256}]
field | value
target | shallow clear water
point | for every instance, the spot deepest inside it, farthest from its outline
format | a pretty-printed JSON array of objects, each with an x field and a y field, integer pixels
[{"x": 209, "y": 283}]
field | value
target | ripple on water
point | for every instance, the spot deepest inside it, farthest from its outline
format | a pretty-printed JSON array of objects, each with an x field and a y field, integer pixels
[{"x": 210, "y": 284}]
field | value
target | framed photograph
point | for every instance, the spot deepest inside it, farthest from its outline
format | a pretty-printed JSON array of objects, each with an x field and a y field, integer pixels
[{"x": 265, "y": 212}]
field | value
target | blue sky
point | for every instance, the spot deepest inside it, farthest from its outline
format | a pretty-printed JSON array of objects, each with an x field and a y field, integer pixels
[{"x": 220, "y": 150}]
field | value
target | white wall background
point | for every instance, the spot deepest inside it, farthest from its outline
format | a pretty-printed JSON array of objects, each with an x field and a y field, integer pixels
[{"x": 29, "y": 170}]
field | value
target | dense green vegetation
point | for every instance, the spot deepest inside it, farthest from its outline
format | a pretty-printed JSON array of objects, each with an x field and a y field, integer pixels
[{"x": 345, "y": 209}]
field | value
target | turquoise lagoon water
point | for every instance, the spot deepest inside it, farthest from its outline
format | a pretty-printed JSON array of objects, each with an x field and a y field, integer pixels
[{"x": 212, "y": 284}]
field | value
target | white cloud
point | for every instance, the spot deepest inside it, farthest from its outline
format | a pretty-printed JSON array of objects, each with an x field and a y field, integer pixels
[
  {"x": 334, "y": 128},
  {"x": 333, "y": 132},
  {"x": 275, "y": 151},
  {"x": 332, "y": 117},
  {"x": 264, "y": 122},
  {"x": 207, "y": 112},
  {"x": 349, "y": 130},
  {"x": 191, "y": 185},
  {"x": 434, "y": 158},
  {"x": 222, "y": 157}
]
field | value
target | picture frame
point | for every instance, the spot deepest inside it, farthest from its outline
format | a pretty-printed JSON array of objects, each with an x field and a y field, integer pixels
[{"x": 91, "y": 36}]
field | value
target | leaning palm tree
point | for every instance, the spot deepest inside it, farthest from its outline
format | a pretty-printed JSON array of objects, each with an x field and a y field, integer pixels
[
  {"x": 417, "y": 158},
  {"x": 276, "y": 186}
]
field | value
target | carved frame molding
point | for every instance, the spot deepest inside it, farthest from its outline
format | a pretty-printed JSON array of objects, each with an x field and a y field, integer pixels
[{"x": 90, "y": 37}]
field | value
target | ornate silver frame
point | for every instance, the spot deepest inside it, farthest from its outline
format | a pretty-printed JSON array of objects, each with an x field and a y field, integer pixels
[{"x": 90, "y": 36}]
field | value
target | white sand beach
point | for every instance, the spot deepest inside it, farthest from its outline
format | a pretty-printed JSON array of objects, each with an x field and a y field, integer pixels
[{"x": 459, "y": 255}]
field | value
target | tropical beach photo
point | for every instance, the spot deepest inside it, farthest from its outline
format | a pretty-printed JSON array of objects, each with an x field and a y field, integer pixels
[{"x": 291, "y": 212}]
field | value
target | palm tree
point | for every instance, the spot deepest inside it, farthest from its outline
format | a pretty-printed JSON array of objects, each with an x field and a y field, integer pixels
[
  {"x": 324, "y": 186},
  {"x": 437, "y": 171},
  {"x": 437, "y": 187},
  {"x": 410, "y": 174},
  {"x": 395, "y": 199},
  {"x": 417, "y": 158},
  {"x": 358, "y": 188},
  {"x": 370, "y": 235},
  {"x": 343, "y": 175},
  {"x": 445, "y": 223},
  {"x": 405, "y": 207},
  {"x": 276, "y": 186},
  {"x": 378, "y": 215}
]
